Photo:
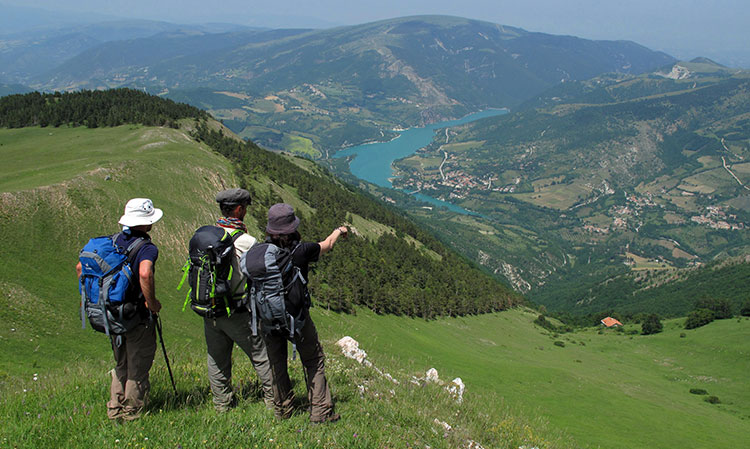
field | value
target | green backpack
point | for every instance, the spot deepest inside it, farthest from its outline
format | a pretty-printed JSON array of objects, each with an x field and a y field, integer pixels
[{"x": 209, "y": 272}]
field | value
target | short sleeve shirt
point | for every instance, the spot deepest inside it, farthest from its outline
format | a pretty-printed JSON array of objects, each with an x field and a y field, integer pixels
[
  {"x": 148, "y": 251},
  {"x": 242, "y": 245},
  {"x": 306, "y": 253}
]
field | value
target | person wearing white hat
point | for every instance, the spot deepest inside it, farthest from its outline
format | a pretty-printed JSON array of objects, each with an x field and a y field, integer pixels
[{"x": 134, "y": 350}]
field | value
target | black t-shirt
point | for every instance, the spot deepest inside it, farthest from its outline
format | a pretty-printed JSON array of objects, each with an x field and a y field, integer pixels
[{"x": 304, "y": 254}]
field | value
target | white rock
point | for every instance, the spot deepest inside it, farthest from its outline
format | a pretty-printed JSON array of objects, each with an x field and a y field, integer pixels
[
  {"x": 350, "y": 348},
  {"x": 432, "y": 376},
  {"x": 445, "y": 425},
  {"x": 456, "y": 388}
]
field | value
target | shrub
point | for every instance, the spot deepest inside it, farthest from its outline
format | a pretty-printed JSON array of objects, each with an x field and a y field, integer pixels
[
  {"x": 698, "y": 318},
  {"x": 560, "y": 343},
  {"x": 698, "y": 391},
  {"x": 651, "y": 324},
  {"x": 542, "y": 321},
  {"x": 712, "y": 400},
  {"x": 721, "y": 308},
  {"x": 745, "y": 309}
]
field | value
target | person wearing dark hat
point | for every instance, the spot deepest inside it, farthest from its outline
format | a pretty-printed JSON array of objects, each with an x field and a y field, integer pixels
[
  {"x": 134, "y": 350},
  {"x": 281, "y": 230},
  {"x": 223, "y": 332}
]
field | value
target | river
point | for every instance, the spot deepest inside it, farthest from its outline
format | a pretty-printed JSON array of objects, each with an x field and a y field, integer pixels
[{"x": 373, "y": 161}]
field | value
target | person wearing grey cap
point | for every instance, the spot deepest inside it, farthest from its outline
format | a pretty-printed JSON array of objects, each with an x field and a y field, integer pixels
[
  {"x": 281, "y": 230},
  {"x": 223, "y": 332},
  {"x": 135, "y": 349}
]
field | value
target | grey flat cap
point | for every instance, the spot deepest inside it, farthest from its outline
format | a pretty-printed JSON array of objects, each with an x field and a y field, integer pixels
[{"x": 233, "y": 196}]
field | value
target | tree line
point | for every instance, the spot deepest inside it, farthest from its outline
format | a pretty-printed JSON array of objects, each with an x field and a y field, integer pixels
[{"x": 93, "y": 109}]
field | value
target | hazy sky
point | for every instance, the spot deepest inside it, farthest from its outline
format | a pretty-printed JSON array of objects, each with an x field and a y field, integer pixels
[{"x": 683, "y": 28}]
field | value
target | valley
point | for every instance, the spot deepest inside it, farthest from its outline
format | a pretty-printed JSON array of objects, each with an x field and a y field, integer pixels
[
  {"x": 630, "y": 185},
  {"x": 614, "y": 180}
]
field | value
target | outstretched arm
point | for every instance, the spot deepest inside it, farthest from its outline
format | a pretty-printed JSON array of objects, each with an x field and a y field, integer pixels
[{"x": 327, "y": 244}]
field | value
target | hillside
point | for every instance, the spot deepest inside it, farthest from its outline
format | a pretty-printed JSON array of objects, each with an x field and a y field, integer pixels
[
  {"x": 526, "y": 387},
  {"x": 297, "y": 89},
  {"x": 599, "y": 178}
]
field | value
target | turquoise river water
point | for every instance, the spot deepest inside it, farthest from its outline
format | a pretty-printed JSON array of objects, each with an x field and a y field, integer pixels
[{"x": 373, "y": 161}]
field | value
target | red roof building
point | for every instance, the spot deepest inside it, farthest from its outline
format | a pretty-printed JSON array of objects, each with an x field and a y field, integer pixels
[{"x": 611, "y": 322}]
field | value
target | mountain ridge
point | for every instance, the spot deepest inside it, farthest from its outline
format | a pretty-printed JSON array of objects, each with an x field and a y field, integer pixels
[{"x": 346, "y": 85}]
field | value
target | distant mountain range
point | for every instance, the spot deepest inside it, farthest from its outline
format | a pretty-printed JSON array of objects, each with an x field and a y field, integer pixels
[{"x": 330, "y": 88}]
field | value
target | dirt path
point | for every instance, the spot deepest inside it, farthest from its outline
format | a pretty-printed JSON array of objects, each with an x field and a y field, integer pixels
[{"x": 723, "y": 161}]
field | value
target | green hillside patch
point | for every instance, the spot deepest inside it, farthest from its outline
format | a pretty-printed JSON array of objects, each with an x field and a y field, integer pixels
[
  {"x": 299, "y": 145},
  {"x": 36, "y": 157},
  {"x": 558, "y": 196},
  {"x": 372, "y": 230}
]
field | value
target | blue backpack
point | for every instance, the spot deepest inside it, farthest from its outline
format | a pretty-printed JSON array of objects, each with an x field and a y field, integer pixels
[{"x": 105, "y": 283}]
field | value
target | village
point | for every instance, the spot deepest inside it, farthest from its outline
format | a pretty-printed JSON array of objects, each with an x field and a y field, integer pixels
[{"x": 458, "y": 181}]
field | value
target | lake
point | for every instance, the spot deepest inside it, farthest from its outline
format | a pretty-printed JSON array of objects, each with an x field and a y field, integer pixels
[{"x": 373, "y": 161}]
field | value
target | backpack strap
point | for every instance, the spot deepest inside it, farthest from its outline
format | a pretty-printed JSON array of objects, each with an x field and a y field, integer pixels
[
  {"x": 132, "y": 250},
  {"x": 83, "y": 305},
  {"x": 236, "y": 233}
]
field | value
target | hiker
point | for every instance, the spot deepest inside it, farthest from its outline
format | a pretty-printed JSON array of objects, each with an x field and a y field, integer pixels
[
  {"x": 281, "y": 231},
  {"x": 223, "y": 331},
  {"x": 134, "y": 349}
]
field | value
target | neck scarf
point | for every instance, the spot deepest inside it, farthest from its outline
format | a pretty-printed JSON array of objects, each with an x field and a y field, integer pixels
[{"x": 229, "y": 222}]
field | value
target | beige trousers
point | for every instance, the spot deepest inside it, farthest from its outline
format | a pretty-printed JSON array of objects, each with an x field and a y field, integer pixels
[
  {"x": 221, "y": 336},
  {"x": 134, "y": 354}
]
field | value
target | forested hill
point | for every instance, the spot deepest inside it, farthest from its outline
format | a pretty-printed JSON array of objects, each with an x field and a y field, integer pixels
[
  {"x": 388, "y": 264},
  {"x": 92, "y": 109}
]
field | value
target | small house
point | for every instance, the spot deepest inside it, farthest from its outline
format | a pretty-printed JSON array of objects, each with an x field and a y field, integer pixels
[{"x": 611, "y": 322}]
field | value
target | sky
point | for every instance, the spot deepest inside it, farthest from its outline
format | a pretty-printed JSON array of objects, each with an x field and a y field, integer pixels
[{"x": 718, "y": 29}]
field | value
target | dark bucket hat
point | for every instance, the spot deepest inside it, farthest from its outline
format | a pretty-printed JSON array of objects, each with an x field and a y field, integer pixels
[{"x": 281, "y": 219}]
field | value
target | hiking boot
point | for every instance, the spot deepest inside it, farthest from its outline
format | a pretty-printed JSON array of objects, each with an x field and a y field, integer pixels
[{"x": 333, "y": 417}]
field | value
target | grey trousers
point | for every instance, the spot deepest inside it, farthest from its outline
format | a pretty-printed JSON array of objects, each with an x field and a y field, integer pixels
[
  {"x": 221, "y": 335},
  {"x": 133, "y": 359},
  {"x": 313, "y": 362}
]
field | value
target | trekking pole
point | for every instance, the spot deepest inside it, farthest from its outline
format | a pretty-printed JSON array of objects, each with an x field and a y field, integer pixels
[{"x": 164, "y": 348}]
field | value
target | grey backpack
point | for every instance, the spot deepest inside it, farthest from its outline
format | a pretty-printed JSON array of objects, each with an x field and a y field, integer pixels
[{"x": 278, "y": 292}]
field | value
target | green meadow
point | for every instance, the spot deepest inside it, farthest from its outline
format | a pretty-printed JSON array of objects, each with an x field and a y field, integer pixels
[{"x": 525, "y": 387}]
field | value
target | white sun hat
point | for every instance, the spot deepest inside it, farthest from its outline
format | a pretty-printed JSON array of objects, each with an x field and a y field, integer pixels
[{"x": 140, "y": 212}]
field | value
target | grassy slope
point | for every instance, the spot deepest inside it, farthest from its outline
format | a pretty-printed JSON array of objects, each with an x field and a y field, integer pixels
[
  {"x": 59, "y": 217},
  {"x": 608, "y": 390},
  {"x": 612, "y": 391}
]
